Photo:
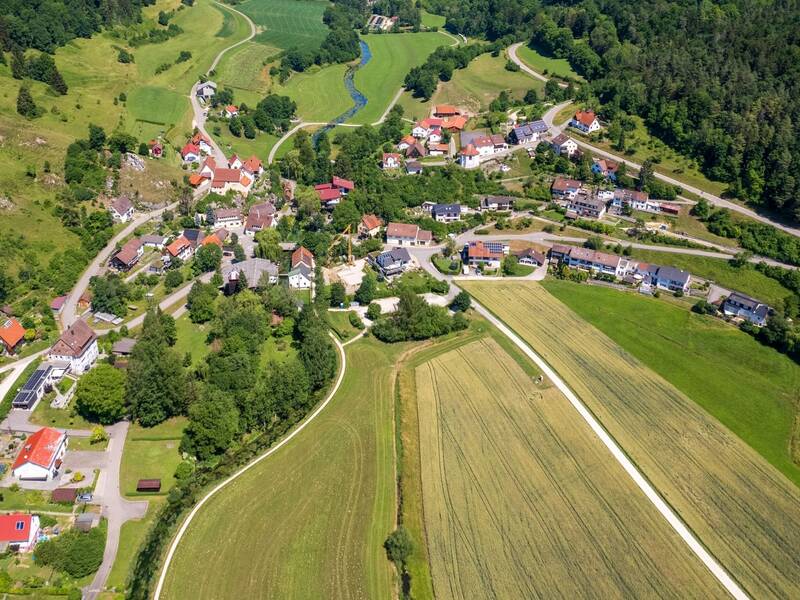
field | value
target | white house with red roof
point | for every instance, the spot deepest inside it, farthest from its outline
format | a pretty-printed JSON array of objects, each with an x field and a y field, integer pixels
[
  {"x": 370, "y": 225},
  {"x": 180, "y": 248},
  {"x": 406, "y": 142},
  {"x": 155, "y": 148},
  {"x": 190, "y": 153},
  {"x": 407, "y": 234},
  {"x": 253, "y": 167},
  {"x": 19, "y": 532},
  {"x": 41, "y": 455},
  {"x": 469, "y": 157},
  {"x": 202, "y": 142},
  {"x": 302, "y": 256},
  {"x": 585, "y": 121},
  {"x": 230, "y": 111},
  {"x": 423, "y": 129},
  {"x": 230, "y": 179},
  {"x": 234, "y": 162},
  {"x": 330, "y": 194},
  {"x": 11, "y": 334},
  {"x": 391, "y": 160},
  {"x": 77, "y": 346}
]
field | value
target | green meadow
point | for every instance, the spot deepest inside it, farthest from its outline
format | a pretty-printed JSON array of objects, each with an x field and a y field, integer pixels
[{"x": 287, "y": 23}]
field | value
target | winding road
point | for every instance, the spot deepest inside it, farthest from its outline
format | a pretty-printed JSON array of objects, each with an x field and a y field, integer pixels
[{"x": 185, "y": 525}]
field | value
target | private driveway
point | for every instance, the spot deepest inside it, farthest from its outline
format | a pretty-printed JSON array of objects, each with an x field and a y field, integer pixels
[{"x": 115, "y": 508}]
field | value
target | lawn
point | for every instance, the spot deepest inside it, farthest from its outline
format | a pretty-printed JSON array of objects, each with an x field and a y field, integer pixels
[
  {"x": 720, "y": 271},
  {"x": 514, "y": 484},
  {"x": 65, "y": 418},
  {"x": 393, "y": 56},
  {"x": 29, "y": 500},
  {"x": 287, "y": 23},
  {"x": 475, "y": 87},
  {"x": 309, "y": 521},
  {"x": 320, "y": 93},
  {"x": 191, "y": 339},
  {"x": 243, "y": 69},
  {"x": 545, "y": 65},
  {"x": 151, "y": 454},
  {"x": 432, "y": 20},
  {"x": 742, "y": 508},
  {"x": 95, "y": 79},
  {"x": 339, "y": 321},
  {"x": 641, "y": 145}
]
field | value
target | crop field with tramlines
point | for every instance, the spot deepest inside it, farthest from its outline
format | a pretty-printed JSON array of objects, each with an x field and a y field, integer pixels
[
  {"x": 521, "y": 500},
  {"x": 287, "y": 23},
  {"x": 742, "y": 509}
]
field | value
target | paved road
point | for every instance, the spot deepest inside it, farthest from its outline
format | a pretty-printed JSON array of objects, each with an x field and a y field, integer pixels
[
  {"x": 198, "y": 110},
  {"x": 185, "y": 525},
  {"x": 556, "y": 129},
  {"x": 115, "y": 507},
  {"x": 512, "y": 54},
  {"x": 69, "y": 312},
  {"x": 619, "y": 455}
]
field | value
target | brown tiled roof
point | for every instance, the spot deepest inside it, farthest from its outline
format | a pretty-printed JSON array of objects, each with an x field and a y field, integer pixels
[
  {"x": 403, "y": 230},
  {"x": 371, "y": 221},
  {"x": 302, "y": 255},
  {"x": 122, "y": 205},
  {"x": 129, "y": 251},
  {"x": 75, "y": 340}
]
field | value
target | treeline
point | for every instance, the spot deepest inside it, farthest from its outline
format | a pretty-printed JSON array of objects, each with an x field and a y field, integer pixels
[
  {"x": 759, "y": 238},
  {"x": 40, "y": 67},
  {"x": 236, "y": 408},
  {"x": 421, "y": 81},
  {"x": 341, "y": 45},
  {"x": 272, "y": 114},
  {"x": 48, "y": 24},
  {"x": 717, "y": 82}
]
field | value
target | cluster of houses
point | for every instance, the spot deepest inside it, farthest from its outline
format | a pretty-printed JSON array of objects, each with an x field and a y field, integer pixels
[
  {"x": 650, "y": 278},
  {"x": 593, "y": 203},
  {"x": 238, "y": 175},
  {"x": 331, "y": 194}
]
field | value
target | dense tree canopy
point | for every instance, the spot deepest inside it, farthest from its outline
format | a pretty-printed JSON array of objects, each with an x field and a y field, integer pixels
[{"x": 100, "y": 395}]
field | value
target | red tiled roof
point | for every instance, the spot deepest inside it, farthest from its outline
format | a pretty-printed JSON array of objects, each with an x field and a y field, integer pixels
[
  {"x": 479, "y": 250},
  {"x": 585, "y": 117},
  {"x": 389, "y": 155},
  {"x": 455, "y": 123},
  {"x": 409, "y": 140},
  {"x": 446, "y": 109},
  {"x": 210, "y": 162},
  {"x": 562, "y": 184},
  {"x": 11, "y": 332},
  {"x": 343, "y": 183},
  {"x": 302, "y": 255},
  {"x": 231, "y": 108},
  {"x": 469, "y": 151},
  {"x": 178, "y": 245},
  {"x": 252, "y": 164},
  {"x": 211, "y": 239},
  {"x": 439, "y": 147},
  {"x": 9, "y": 532},
  {"x": 195, "y": 179},
  {"x": 189, "y": 149},
  {"x": 431, "y": 123},
  {"x": 328, "y": 194},
  {"x": 371, "y": 222},
  {"x": 40, "y": 448},
  {"x": 223, "y": 176},
  {"x": 199, "y": 137}
]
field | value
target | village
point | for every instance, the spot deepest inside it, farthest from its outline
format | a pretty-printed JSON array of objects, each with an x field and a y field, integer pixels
[{"x": 229, "y": 238}]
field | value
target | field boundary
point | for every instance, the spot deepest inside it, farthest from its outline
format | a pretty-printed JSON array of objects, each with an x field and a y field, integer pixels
[
  {"x": 666, "y": 511},
  {"x": 187, "y": 521}
]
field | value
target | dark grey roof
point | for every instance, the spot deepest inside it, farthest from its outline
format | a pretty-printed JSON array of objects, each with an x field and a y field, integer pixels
[
  {"x": 301, "y": 268},
  {"x": 444, "y": 209},
  {"x": 123, "y": 346},
  {"x": 413, "y": 165},
  {"x": 670, "y": 273},
  {"x": 252, "y": 268},
  {"x": 393, "y": 256},
  {"x": 744, "y": 300},
  {"x": 528, "y": 129},
  {"x": 27, "y": 395},
  {"x": 153, "y": 239},
  {"x": 195, "y": 236}
]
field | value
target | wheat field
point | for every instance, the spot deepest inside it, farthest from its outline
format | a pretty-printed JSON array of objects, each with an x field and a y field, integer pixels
[
  {"x": 522, "y": 501},
  {"x": 744, "y": 511}
]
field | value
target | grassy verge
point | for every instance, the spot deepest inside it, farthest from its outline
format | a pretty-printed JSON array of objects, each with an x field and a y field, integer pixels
[
  {"x": 65, "y": 418},
  {"x": 131, "y": 537},
  {"x": 340, "y": 323},
  {"x": 151, "y": 454},
  {"x": 546, "y": 64}
]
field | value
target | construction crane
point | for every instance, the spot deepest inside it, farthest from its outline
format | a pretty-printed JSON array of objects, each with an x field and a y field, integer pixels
[{"x": 346, "y": 232}]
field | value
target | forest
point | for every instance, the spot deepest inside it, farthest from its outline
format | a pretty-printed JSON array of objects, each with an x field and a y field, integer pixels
[
  {"x": 719, "y": 82},
  {"x": 48, "y": 24}
]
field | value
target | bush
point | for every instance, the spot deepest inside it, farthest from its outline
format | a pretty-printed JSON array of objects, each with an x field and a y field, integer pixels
[
  {"x": 74, "y": 552},
  {"x": 398, "y": 545},
  {"x": 461, "y": 302},
  {"x": 373, "y": 311},
  {"x": 173, "y": 279},
  {"x": 355, "y": 320}
]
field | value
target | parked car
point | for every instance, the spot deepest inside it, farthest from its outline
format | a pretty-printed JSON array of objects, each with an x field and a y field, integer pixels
[{"x": 85, "y": 498}]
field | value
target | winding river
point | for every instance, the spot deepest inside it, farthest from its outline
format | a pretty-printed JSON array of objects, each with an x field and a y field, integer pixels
[{"x": 359, "y": 99}]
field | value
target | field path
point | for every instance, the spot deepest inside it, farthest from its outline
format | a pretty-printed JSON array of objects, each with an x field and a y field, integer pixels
[
  {"x": 619, "y": 455},
  {"x": 185, "y": 525},
  {"x": 198, "y": 111}
]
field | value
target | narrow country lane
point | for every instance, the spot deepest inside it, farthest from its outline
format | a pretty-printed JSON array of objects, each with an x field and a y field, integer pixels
[{"x": 556, "y": 129}]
